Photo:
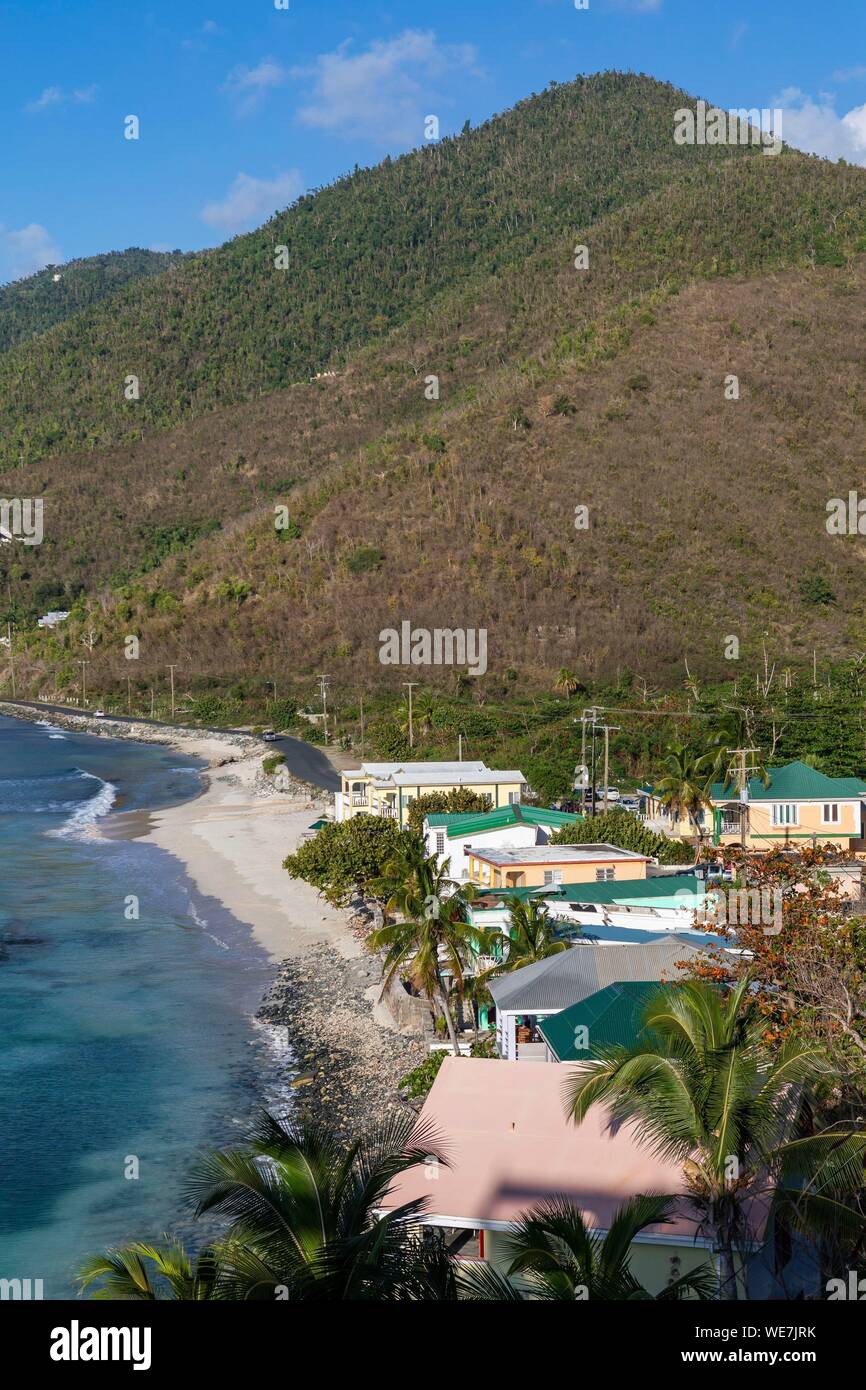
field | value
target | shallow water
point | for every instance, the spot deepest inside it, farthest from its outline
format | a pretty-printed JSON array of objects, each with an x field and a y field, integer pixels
[{"x": 121, "y": 1039}]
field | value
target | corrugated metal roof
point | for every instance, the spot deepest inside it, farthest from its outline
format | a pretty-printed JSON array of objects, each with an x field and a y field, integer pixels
[
  {"x": 612, "y": 1017},
  {"x": 633, "y": 890},
  {"x": 560, "y": 981},
  {"x": 458, "y": 824},
  {"x": 794, "y": 782}
]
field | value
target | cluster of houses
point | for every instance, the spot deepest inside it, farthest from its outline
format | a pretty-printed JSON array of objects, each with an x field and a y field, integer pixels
[{"x": 630, "y": 924}]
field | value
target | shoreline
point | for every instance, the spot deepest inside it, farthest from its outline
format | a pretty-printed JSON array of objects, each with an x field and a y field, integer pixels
[{"x": 343, "y": 1063}]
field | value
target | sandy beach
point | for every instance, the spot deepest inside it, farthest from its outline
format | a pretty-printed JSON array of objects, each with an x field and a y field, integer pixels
[{"x": 232, "y": 841}]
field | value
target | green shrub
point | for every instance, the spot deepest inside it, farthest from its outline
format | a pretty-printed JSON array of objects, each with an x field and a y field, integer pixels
[
  {"x": 348, "y": 855},
  {"x": 626, "y": 831},
  {"x": 419, "y": 1080},
  {"x": 272, "y": 762},
  {"x": 364, "y": 558}
]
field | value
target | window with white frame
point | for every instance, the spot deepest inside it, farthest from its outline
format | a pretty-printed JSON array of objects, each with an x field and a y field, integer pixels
[
  {"x": 552, "y": 876},
  {"x": 605, "y": 875},
  {"x": 440, "y": 841},
  {"x": 786, "y": 813},
  {"x": 830, "y": 813},
  {"x": 513, "y": 798}
]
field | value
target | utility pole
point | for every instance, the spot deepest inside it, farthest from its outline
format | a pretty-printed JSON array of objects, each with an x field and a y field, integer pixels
[
  {"x": 742, "y": 773},
  {"x": 591, "y": 716},
  {"x": 83, "y": 665},
  {"x": 362, "y": 727},
  {"x": 460, "y": 748},
  {"x": 11, "y": 658},
  {"x": 172, "y": 669},
  {"x": 323, "y": 686},
  {"x": 410, "y": 686},
  {"x": 608, "y": 730},
  {"x": 151, "y": 702}
]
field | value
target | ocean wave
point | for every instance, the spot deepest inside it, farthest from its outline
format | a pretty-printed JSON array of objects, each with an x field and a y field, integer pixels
[{"x": 86, "y": 814}]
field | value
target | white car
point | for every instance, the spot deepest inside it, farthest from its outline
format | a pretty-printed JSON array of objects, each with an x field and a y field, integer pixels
[{"x": 99, "y": 714}]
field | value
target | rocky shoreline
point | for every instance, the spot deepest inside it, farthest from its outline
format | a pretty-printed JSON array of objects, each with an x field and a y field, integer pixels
[{"x": 349, "y": 1065}]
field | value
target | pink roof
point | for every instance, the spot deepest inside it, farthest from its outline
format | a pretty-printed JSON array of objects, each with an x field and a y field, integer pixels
[{"x": 503, "y": 1128}]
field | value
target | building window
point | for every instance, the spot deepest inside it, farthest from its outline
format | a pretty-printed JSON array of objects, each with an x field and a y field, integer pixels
[
  {"x": 440, "y": 842},
  {"x": 513, "y": 798},
  {"x": 831, "y": 813},
  {"x": 552, "y": 876},
  {"x": 605, "y": 875},
  {"x": 786, "y": 813}
]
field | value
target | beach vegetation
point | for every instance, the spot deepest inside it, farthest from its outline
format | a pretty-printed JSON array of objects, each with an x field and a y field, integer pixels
[
  {"x": 626, "y": 831},
  {"x": 349, "y": 856}
]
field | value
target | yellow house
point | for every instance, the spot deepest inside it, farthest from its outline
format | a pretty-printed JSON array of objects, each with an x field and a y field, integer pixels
[
  {"x": 799, "y": 806},
  {"x": 540, "y": 866},
  {"x": 387, "y": 789}
]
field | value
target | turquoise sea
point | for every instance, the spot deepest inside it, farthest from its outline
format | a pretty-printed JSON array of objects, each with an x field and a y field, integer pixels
[{"x": 120, "y": 1039}]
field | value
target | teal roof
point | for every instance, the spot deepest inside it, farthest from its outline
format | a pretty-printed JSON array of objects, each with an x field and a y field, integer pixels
[
  {"x": 463, "y": 823},
  {"x": 611, "y": 1017},
  {"x": 667, "y": 890},
  {"x": 794, "y": 782}
]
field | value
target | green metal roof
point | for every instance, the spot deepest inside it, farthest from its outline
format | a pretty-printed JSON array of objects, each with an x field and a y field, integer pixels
[
  {"x": 794, "y": 782},
  {"x": 612, "y": 1017},
  {"x": 667, "y": 890},
  {"x": 458, "y": 824}
]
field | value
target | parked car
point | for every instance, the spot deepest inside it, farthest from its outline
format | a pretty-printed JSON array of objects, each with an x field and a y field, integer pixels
[{"x": 630, "y": 803}]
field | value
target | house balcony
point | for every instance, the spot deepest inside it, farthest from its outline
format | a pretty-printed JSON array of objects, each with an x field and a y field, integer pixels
[{"x": 358, "y": 800}]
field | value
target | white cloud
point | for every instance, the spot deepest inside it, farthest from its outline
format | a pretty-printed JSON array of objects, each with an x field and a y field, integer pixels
[
  {"x": 815, "y": 126},
  {"x": 384, "y": 93},
  {"x": 50, "y": 96},
  {"x": 850, "y": 74},
  {"x": 55, "y": 96},
  {"x": 249, "y": 86},
  {"x": 25, "y": 251},
  {"x": 251, "y": 201}
]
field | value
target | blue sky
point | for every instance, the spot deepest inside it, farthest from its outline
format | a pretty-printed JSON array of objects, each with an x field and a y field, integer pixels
[{"x": 243, "y": 105}]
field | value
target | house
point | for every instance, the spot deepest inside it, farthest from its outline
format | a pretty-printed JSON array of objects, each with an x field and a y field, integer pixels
[
  {"x": 387, "y": 789},
  {"x": 664, "y": 903},
  {"x": 613, "y": 1017},
  {"x": 799, "y": 806},
  {"x": 513, "y": 826},
  {"x": 524, "y": 997},
  {"x": 53, "y": 619},
  {"x": 509, "y": 1146},
  {"x": 540, "y": 866}
]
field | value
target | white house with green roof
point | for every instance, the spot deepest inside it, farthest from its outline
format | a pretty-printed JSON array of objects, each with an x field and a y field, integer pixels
[{"x": 514, "y": 826}]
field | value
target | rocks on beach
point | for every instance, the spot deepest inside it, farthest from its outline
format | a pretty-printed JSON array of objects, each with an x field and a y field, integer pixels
[{"x": 349, "y": 1068}]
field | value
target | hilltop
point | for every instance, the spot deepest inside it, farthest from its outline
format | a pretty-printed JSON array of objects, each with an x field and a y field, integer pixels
[{"x": 558, "y": 388}]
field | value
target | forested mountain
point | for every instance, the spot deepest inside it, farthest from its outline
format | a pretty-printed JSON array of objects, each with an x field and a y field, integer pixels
[
  {"x": 32, "y": 305},
  {"x": 363, "y": 256},
  {"x": 559, "y": 388}
]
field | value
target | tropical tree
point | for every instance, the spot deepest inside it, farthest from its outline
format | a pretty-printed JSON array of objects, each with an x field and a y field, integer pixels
[
  {"x": 567, "y": 682},
  {"x": 431, "y": 937},
  {"x": 305, "y": 1222},
  {"x": 531, "y": 935},
  {"x": 149, "y": 1273},
  {"x": 559, "y": 1259},
  {"x": 684, "y": 787},
  {"x": 704, "y": 1088}
]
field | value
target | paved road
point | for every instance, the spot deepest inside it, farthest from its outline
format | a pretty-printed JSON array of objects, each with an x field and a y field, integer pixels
[{"x": 303, "y": 759}]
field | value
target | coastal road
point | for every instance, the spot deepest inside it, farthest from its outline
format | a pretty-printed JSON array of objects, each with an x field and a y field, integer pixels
[{"x": 304, "y": 760}]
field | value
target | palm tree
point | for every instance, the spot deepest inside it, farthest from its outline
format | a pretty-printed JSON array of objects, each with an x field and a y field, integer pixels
[
  {"x": 559, "y": 1259},
  {"x": 685, "y": 786},
  {"x": 306, "y": 1222},
  {"x": 531, "y": 935},
  {"x": 704, "y": 1088},
  {"x": 148, "y": 1273},
  {"x": 431, "y": 937},
  {"x": 567, "y": 682}
]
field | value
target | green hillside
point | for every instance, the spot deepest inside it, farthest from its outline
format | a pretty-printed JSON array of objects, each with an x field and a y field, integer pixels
[
  {"x": 364, "y": 255},
  {"x": 559, "y": 388},
  {"x": 30, "y": 306}
]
